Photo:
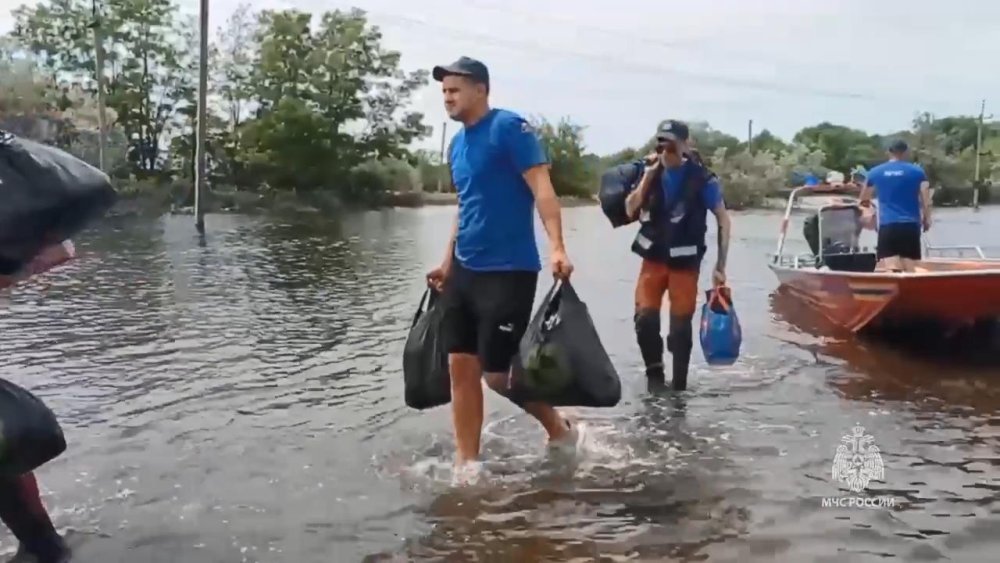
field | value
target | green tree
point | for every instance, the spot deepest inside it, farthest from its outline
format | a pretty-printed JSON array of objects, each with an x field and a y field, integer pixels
[
  {"x": 434, "y": 174},
  {"x": 621, "y": 157},
  {"x": 328, "y": 100},
  {"x": 799, "y": 161},
  {"x": 708, "y": 140},
  {"x": 958, "y": 132},
  {"x": 34, "y": 105},
  {"x": 767, "y": 141},
  {"x": 232, "y": 64},
  {"x": 990, "y": 165},
  {"x": 746, "y": 178},
  {"x": 145, "y": 72},
  {"x": 572, "y": 171},
  {"x": 844, "y": 147}
]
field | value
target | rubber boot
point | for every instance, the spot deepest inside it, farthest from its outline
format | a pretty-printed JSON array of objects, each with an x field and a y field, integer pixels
[
  {"x": 22, "y": 511},
  {"x": 679, "y": 343},
  {"x": 52, "y": 550},
  {"x": 647, "y": 333}
]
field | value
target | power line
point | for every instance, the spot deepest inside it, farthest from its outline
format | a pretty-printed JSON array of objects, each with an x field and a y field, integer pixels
[
  {"x": 620, "y": 64},
  {"x": 647, "y": 70},
  {"x": 695, "y": 48}
]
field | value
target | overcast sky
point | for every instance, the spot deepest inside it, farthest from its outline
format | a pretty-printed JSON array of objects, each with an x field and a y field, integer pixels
[{"x": 619, "y": 67}]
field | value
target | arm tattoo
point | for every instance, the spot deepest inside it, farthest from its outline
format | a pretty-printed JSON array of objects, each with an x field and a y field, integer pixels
[{"x": 723, "y": 237}]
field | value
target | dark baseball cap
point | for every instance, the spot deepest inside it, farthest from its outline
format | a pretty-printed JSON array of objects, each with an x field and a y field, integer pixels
[
  {"x": 672, "y": 130},
  {"x": 898, "y": 146},
  {"x": 464, "y": 66}
]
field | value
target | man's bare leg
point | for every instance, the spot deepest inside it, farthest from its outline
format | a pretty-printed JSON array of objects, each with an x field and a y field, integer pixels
[
  {"x": 889, "y": 264},
  {"x": 553, "y": 422},
  {"x": 466, "y": 405}
]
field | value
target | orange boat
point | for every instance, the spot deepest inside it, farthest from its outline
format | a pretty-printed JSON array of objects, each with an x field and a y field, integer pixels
[{"x": 838, "y": 278}]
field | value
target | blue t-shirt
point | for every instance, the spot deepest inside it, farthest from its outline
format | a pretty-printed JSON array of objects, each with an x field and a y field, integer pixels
[
  {"x": 672, "y": 185},
  {"x": 897, "y": 187},
  {"x": 496, "y": 225}
]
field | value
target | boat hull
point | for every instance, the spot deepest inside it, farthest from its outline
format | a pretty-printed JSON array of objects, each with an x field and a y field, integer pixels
[{"x": 950, "y": 293}]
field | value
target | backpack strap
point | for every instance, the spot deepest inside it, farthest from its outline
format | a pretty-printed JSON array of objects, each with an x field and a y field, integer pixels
[
  {"x": 707, "y": 175},
  {"x": 695, "y": 177}
]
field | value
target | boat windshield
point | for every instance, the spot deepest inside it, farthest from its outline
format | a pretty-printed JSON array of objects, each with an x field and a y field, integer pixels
[{"x": 840, "y": 227}]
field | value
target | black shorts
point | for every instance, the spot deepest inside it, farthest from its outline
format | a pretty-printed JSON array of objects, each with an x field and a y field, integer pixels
[
  {"x": 900, "y": 239},
  {"x": 487, "y": 313}
]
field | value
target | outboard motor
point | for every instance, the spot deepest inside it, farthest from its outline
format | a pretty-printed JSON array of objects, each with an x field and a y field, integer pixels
[{"x": 616, "y": 184}]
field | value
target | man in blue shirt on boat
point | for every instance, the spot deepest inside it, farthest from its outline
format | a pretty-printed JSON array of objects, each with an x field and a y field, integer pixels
[{"x": 903, "y": 193}]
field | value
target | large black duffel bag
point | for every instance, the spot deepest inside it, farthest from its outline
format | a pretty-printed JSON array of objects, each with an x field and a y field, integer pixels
[
  {"x": 616, "y": 184},
  {"x": 30, "y": 435},
  {"x": 46, "y": 196}
]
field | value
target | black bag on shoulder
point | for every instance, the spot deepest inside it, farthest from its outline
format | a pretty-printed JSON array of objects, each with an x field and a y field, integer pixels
[
  {"x": 30, "y": 435},
  {"x": 425, "y": 359},
  {"x": 561, "y": 359},
  {"x": 46, "y": 197},
  {"x": 616, "y": 184}
]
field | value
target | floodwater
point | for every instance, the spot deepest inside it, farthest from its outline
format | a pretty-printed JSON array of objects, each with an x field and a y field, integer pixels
[{"x": 239, "y": 399}]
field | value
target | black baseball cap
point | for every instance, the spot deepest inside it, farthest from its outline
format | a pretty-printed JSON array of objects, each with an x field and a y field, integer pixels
[
  {"x": 898, "y": 146},
  {"x": 464, "y": 66},
  {"x": 672, "y": 130}
]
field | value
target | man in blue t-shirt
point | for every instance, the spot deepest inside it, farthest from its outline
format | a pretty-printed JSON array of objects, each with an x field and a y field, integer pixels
[
  {"x": 490, "y": 270},
  {"x": 904, "y": 205}
]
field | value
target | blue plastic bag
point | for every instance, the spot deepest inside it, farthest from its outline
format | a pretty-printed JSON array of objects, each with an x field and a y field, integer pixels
[{"x": 721, "y": 334}]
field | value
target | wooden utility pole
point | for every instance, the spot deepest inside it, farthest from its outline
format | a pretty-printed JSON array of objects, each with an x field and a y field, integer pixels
[
  {"x": 199, "y": 180},
  {"x": 102, "y": 124},
  {"x": 979, "y": 151},
  {"x": 444, "y": 130},
  {"x": 750, "y": 137}
]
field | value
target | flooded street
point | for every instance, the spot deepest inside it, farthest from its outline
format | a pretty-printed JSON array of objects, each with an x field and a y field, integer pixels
[{"x": 239, "y": 399}]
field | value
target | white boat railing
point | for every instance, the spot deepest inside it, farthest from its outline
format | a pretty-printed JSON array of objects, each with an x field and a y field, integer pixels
[
  {"x": 960, "y": 248},
  {"x": 804, "y": 260}
]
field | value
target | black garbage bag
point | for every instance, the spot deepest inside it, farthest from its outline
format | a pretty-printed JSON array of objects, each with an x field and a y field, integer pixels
[
  {"x": 30, "y": 435},
  {"x": 616, "y": 184},
  {"x": 561, "y": 360},
  {"x": 46, "y": 196},
  {"x": 425, "y": 359}
]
